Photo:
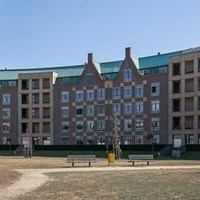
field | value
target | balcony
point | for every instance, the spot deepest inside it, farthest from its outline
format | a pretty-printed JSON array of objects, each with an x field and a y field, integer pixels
[{"x": 189, "y": 67}]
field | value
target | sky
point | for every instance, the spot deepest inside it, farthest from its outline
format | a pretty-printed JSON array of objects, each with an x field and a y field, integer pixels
[{"x": 50, "y": 33}]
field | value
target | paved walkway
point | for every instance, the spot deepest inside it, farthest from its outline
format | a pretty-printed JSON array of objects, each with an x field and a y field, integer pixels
[{"x": 34, "y": 178}]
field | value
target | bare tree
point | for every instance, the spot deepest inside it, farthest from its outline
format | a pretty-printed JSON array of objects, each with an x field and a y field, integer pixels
[{"x": 116, "y": 139}]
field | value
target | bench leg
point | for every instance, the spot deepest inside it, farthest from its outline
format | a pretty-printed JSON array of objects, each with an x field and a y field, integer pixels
[
  {"x": 148, "y": 163},
  {"x": 73, "y": 164},
  {"x": 89, "y": 164},
  {"x": 133, "y": 163}
]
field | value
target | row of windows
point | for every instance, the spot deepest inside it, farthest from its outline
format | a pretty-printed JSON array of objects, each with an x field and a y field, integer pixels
[
  {"x": 116, "y": 109},
  {"x": 128, "y": 110},
  {"x": 116, "y": 93},
  {"x": 128, "y": 125}
]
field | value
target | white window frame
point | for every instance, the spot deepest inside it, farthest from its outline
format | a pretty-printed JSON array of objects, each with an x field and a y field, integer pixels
[
  {"x": 90, "y": 111},
  {"x": 127, "y": 125},
  {"x": 155, "y": 106},
  {"x": 129, "y": 95},
  {"x": 63, "y": 124},
  {"x": 116, "y": 93},
  {"x": 6, "y": 127},
  {"x": 116, "y": 109},
  {"x": 101, "y": 125},
  {"x": 90, "y": 140},
  {"x": 139, "y": 91},
  {"x": 127, "y": 108},
  {"x": 101, "y": 94},
  {"x": 81, "y": 124},
  {"x": 79, "y": 108},
  {"x": 6, "y": 99},
  {"x": 64, "y": 96},
  {"x": 64, "y": 111},
  {"x": 101, "y": 140},
  {"x": 139, "y": 107},
  {"x": 157, "y": 88},
  {"x": 79, "y": 95},
  {"x": 128, "y": 75},
  {"x": 139, "y": 124},
  {"x": 102, "y": 106},
  {"x": 90, "y": 95},
  {"x": 90, "y": 126},
  {"x": 157, "y": 121},
  {"x": 6, "y": 113}
]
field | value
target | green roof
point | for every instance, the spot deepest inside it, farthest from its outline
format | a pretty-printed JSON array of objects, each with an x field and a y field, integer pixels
[
  {"x": 156, "y": 60},
  {"x": 67, "y": 71},
  {"x": 102, "y": 68}
]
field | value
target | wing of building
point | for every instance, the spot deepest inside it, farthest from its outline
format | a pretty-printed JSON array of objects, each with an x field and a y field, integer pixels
[{"x": 156, "y": 95}]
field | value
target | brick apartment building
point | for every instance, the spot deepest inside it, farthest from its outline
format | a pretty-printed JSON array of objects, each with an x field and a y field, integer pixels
[{"x": 156, "y": 95}]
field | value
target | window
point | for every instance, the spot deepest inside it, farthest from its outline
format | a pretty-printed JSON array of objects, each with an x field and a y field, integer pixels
[
  {"x": 90, "y": 79},
  {"x": 64, "y": 96},
  {"x": 79, "y": 126},
  {"x": 116, "y": 108},
  {"x": 127, "y": 108},
  {"x": 139, "y": 125},
  {"x": 6, "y": 113},
  {"x": 138, "y": 91},
  {"x": 116, "y": 93},
  {"x": 101, "y": 140},
  {"x": 128, "y": 75},
  {"x": 127, "y": 125},
  {"x": 189, "y": 139},
  {"x": 100, "y": 125},
  {"x": 65, "y": 112},
  {"x": 65, "y": 140},
  {"x": 6, "y": 128},
  {"x": 90, "y": 111},
  {"x": 176, "y": 69},
  {"x": 79, "y": 95},
  {"x": 65, "y": 127},
  {"x": 90, "y": 95},
  {"x": 90, "y": 126},
  {"x": 101, "y": 94},
  {"x": 163, "y": 70},
  {"x": 6, "y": 99},
  {"x": 155, "y": 89},
  {"x": 101, "y": 110},
  {"x": 79, "y": 140},
  {"x": 79, "y": 111},
  {"x": 155, "y": 125},
  {"x": 90, "y": 140},
  {"x": 127, "y": 92},
  {"x": 139, "y": 108},
  {"x": 155, "y": 106},
  {"x": 127, "y": 140}
]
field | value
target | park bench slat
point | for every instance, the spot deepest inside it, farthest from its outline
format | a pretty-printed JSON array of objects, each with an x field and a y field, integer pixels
[
  {"x": 140, "y": 158},
  {"x": 81, "y": 159}
]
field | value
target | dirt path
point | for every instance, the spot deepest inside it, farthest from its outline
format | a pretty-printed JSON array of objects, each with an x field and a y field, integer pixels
[{"x": 34, "y": 178}]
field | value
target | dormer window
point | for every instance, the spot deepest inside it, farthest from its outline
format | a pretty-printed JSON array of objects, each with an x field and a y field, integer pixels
[
  {"x": 90, "y": 79},
  {"x": 128, "y": 75}
]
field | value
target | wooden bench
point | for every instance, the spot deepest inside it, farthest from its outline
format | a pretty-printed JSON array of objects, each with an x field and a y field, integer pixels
[
  {"x": 140, "y": 158},
  {"x": 81, "y": 159}
]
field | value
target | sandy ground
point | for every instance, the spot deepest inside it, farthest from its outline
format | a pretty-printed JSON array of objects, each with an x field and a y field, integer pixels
[{"x": 34, "y": 178}]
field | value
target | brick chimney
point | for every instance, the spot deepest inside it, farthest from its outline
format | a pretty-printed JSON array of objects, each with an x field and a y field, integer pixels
[
  {"x": 128, "y": 52},
  {"x": 90, "y": 57}
]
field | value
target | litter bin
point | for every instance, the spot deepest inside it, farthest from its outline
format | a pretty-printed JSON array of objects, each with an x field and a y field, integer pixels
[{"x": 111, "y": 158}]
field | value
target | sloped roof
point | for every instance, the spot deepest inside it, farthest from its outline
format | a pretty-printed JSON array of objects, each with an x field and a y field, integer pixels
[
  {"x": 67, "y": 71},
  {"x": 102, "y": 68},
  {"x": 156, "y": 60}
]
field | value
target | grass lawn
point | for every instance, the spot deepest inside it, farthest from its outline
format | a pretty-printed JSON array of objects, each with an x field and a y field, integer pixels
[
  {"x": 155, "y": 184},
  {"x": 103, "y": 185}
]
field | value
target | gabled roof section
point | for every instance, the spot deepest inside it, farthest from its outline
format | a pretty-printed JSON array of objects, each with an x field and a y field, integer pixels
[
  {"x": 157, "y": 60},
  {"x": 111, "y": 67},
  {"x": 98, "y": 67}
]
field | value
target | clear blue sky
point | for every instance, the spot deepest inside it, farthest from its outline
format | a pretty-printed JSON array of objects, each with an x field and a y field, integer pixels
[{"x": 49, "y": 33}]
